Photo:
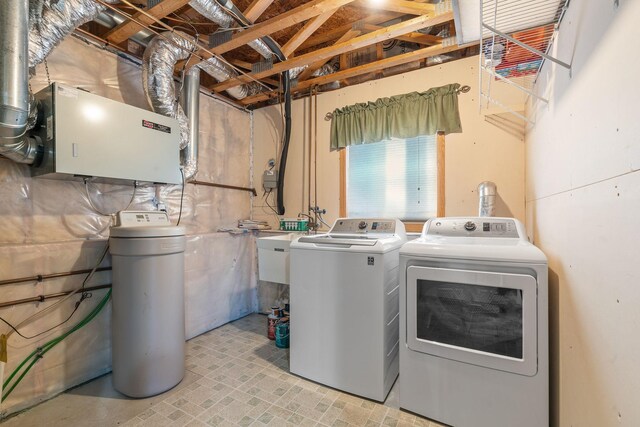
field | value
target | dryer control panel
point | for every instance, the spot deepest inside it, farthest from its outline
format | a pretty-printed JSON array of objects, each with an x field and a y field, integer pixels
[
  {"x": 472, "y": 227},
  {"x": 363, "y": 225}
]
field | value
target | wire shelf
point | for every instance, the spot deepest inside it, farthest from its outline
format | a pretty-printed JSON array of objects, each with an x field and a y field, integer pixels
[{"x": 516, "y": 37}]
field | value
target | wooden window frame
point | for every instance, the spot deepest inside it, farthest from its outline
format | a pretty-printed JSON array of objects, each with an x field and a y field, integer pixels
[{"x": 411, "y": 226}]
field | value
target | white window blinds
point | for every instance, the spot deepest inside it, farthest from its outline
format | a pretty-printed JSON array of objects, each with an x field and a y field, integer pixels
[{"x": 393, "y": 179}]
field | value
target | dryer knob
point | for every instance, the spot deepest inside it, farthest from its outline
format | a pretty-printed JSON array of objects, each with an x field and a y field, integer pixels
[
  {"x": 469, "y": 226},
  {"x": 362, "y": 225}
]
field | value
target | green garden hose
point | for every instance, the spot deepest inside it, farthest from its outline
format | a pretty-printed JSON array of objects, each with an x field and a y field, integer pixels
[{"x": 41, "y": 351}]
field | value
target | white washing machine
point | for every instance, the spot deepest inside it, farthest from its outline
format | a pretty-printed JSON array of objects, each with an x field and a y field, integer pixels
[
  {"x": 344, "y": 294},
  {"x": 474, "y": 325}
]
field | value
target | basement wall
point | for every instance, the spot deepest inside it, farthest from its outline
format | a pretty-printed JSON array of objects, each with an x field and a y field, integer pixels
[
  {"x": 583, "y": 195},
  {"x": 47, "y": 226},
  {"x": 482, "y": 152}
]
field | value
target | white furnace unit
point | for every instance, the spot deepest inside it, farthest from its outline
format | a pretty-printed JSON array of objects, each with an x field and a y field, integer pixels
[
  {"x": 344, "y": 306},
  {"x": 473, "y": 324}
]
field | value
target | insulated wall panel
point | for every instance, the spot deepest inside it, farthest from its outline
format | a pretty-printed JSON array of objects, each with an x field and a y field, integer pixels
[{"x": 48, "y": 226}]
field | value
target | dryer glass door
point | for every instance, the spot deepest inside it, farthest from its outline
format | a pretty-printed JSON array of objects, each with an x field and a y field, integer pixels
[{"x": 483, "y": 318}]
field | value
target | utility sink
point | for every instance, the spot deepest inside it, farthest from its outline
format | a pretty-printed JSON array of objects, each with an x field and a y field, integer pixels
[{"x": 273, "y": 257}]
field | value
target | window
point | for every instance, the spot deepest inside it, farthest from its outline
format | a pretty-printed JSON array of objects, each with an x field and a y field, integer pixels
[{"x": 399, "y": 178}]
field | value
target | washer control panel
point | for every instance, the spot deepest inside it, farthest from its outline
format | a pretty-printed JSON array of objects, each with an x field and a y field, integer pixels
[
  {"x": 473, "y": 227},
  {"x": 142, "y": 219},
  {"x": 363, "y": 225}
]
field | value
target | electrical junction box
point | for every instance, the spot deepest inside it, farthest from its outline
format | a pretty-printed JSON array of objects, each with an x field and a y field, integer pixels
[
  {"x": 270, "y": 179},
  {"x": 86, "y": 135}
]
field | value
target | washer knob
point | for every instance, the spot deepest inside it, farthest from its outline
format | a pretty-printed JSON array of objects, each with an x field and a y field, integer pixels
[
  {"x": 469, "y": 226},
  {"x": 362, "y": 225}
]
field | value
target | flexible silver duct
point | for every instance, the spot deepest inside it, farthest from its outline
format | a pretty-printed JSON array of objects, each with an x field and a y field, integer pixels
[
  {"x": 56, "y": 22},
  {"x": 487, "y": 191},
  {"x": 221, "y": 72},
  {"x": 322, "y": 71},
  {"x": 159, "y": 60},
  {"x": 160, "y": 57},
  {"x": 213, "y": 11},
  {"x": 190, "y": 102},
  {"x": 35, "y": 11}
]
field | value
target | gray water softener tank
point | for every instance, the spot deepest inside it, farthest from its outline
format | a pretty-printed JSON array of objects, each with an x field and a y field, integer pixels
[{"x": 147, "y": 326}]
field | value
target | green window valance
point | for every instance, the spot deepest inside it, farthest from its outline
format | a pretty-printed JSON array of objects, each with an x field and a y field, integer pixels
[{"x": 400, "y": 116}]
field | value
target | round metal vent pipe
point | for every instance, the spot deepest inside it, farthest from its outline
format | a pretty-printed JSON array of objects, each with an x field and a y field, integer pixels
[
  {"x": 14, "y": 67},
  {"x": 487, "y": 192}
]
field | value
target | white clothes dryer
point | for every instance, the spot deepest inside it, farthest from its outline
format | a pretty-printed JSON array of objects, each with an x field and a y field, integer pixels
[
  {"x": 474, "y": 324},
  {"x": 344, "y": 294}
]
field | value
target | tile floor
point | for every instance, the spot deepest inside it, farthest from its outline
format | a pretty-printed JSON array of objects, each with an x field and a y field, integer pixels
[{"x": 235, "y": 377}]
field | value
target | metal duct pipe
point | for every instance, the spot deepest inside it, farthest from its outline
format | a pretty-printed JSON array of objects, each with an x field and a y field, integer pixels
[
  {"x": 110, "y": 19},
  {"x": 15, "y": 117},
  {"x": 190, "y": 102},
  {"x": 30, "y": 34},
  {"x": 213, "y": 11},
  {"x": 214, "y": 67},
  {"x": 160, "y": 57},
  {"x": 487, "y": 192},
  {"x": 14, "y": 90}
]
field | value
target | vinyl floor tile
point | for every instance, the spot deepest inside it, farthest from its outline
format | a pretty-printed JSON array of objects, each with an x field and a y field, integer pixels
[{"x": 235, "y": 376}]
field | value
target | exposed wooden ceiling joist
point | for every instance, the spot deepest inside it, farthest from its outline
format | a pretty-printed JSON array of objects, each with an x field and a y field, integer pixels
[
  {"x": 256, "y": 8},
  {"x": 372, "y": 67},
  {"x": 389, "y": 32},
  {"x": 125, "y": 30},
  {"x": 315, "y": 65},
  {"x": 284, "y": 20},
  {"x": 305, "y": 32},
  {"x": 426, "y": 39},
  {"x": 339, "y": 31},
  {"x": 401, "y": 6}
]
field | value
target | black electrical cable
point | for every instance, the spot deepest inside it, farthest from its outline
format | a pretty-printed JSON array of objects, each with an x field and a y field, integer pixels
[
  {"x": 181, "y": 197},
  {"x": 266, "y": 200},
  {"x": 83, "y": 296},
  {"x": 286, "y": 83}
]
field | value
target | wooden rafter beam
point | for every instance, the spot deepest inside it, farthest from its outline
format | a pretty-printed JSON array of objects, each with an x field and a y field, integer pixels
[
  {"x": 256, "y": 8},
  {"x": 305, "y": 32},
  {"x": 315, "y": 65},
  {"x": 284, "y": 20},
  {"x": 374, "y": 37},
  {"x": 401, "y": 6},
  {"x": 125, "y": 30},
  {"x": 339, "y": 31},
  {"x": 426, "y": 39},
  {"x": 372, "y": 67}
]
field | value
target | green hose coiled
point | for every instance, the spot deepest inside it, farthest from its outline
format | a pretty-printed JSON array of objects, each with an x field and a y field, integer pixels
[{"x": 41, "y": 351}]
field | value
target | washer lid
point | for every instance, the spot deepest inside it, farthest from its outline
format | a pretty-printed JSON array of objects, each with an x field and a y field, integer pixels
[{"x": 154, "y": 231}]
